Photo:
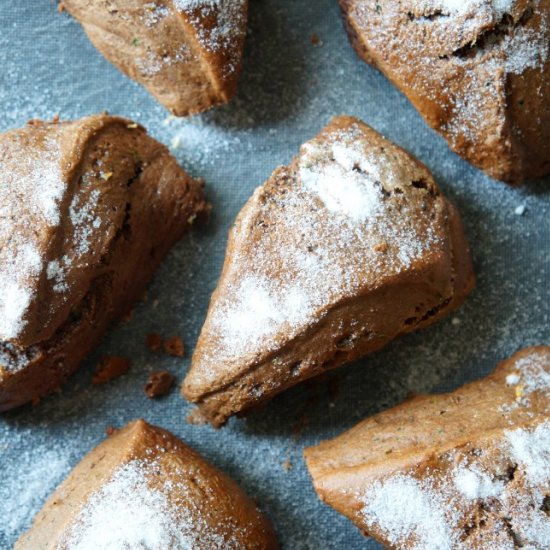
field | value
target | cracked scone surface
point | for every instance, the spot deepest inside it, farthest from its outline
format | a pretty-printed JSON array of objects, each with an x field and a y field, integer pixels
[
  {"x": 144, "y": 488},
  {"x": 89, "y": 209},
  {"x": 478, "y": 71},
  {"x": 187, "y": 53},
  {"x": 464, "y": 470},
  {"x": 336, "y": 255}
]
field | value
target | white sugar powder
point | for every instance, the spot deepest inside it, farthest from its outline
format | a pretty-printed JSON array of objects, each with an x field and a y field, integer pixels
[
  {"x": 339, "y": 185},
  {"x": 128, "y": 513},
  {"x": 32, "y": 186},
  {"x": 430, "y": 512},
  {"x": 474, "y": 484},
  {"x": 531, "y": 449},
  {"x": 500, "y": 7},
  {"x": 228, "y": 16},
  {"x": 331, "y": 222},
  {"x": 407, "y": 511},
  {"x": 533, "y": 374}
]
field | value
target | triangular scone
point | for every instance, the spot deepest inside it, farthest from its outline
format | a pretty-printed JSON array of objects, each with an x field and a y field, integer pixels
[
  {"x": 477, "y": 70},
  {"x": 187, "y": 53},
  {"x": 468, "y": 470},
  {"x": 144, "y": 488},
  {"x": 88, "y": 209},
  {"x": 336, "y": 255}
]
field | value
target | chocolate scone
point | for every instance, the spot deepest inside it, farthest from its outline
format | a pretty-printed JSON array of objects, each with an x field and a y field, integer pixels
[
  {"x": 337, "y": 254},
  {"x": 187, "y": 53},
  {"x": 464, "y": 470},
  {"x": 478, "y": 71},
  {"x": 144, "y": 488},
  {"x": 88, "y": 210}
]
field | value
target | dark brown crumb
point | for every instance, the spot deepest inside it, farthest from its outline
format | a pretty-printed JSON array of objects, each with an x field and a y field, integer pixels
[
  {"x": 109, "y": 368},
  {"x": 315, "y": 40},
  {"x": 109, "y": 431},
  {"x": 61, "y": 7},
  {"x": 174, "y": 346},
  {"x": 287, "y": 465},
  {"x": 159, "y": 384},
  {"x": 154, "y": 341}
]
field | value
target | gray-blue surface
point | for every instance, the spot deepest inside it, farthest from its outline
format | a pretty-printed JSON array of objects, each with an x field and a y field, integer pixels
[{"x": 289, "y": 90}]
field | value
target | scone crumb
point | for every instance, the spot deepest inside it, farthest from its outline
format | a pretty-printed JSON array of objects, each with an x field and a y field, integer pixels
[
  {"x": 111, "y": 367},
  {"x": 159, "y": 384},
  {"x": 61, "y": 7},
  {"x": 174, "y": 346},
  {"x": 315, "y": 40},
  {"x": 110, "y": 430},
  {"x": 287, "y": 465},
  {"x": 154, "y": 341}
]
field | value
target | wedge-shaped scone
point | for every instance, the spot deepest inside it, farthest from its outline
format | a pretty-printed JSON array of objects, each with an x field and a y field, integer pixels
[
  {"x": 464, "y": 470},
  {"x": 477, "y": 70},
  {"x": 336, "y": 255},
  {"x": 143, "y": 488},
  {"x": 187, "y": 53},
  {"x": 87, "y": 211}
]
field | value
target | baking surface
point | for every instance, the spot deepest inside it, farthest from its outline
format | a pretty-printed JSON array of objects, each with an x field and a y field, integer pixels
[{"x": 290, "y": 88}]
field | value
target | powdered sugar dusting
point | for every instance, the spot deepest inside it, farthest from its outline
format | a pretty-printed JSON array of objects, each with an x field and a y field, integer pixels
[
  {"x": 504, "y": 481},
  {"x": 531, "y": 449},
  {"x": 336, "y": 222},
  {"x": 434, "y": 512},
  {"x": 500, "y": 7},
  {"x": 127, "y": 512},
  {"x": 462, "y": 52},
  {"x": 31, "y": 186},
  {"x": 474, "y": 484},
  {"x": 351, "y": 195},
  {"x": 404, "y": 509},
  {"x": 229, "y": 20}
]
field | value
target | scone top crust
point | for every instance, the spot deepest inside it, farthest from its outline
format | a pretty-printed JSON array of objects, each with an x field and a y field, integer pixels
[
  {"x": 187, "y": 53},
  {"x": 66, "y": 195},
  {"x": 477, "y": 70},
  {"x": 464, "y": 470},
  {"x": 144, "y": 488},
  {"x": 352, "y": 213}
]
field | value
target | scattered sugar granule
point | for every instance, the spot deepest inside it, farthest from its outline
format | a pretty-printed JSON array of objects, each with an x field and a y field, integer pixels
[
  {"x": 513, "y": 379},
  {"x": 520, "y": 210}
]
